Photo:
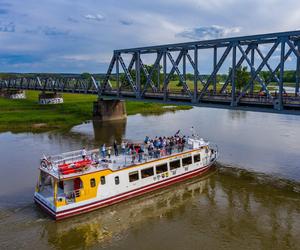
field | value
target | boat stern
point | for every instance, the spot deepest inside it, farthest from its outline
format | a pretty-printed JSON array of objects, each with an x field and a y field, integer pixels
[{"x": 45, "y": 204}]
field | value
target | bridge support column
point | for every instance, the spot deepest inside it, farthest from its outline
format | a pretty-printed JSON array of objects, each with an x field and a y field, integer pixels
[{"x": 109, "y": 110}]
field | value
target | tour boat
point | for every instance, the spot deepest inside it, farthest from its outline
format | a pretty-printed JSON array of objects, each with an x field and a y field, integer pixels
[{"x": 74, "y": 183}]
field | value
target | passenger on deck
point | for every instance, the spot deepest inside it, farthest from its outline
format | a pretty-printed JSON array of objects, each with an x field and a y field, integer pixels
[
  {"x": 146, "y": 139},
  {"x": 150, "y": 150},
  {"x": 94, "y": 158},
  {"x": 133, "y": 154},
  {"x": 116, "y": 148},
  {"x": 83, "y": 153},
  {"x": 109, "y": 152},
  {"x": 123, "y": 147},
  {"x": 140, "y": 153},
  {"x": 103, "y": 150}
]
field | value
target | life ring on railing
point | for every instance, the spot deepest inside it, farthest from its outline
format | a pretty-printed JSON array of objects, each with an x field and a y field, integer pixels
[{"x": 46, "y": 164}]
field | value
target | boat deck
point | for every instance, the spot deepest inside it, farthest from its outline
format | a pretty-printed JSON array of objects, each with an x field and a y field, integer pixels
[{"x": 114, "y": 163}]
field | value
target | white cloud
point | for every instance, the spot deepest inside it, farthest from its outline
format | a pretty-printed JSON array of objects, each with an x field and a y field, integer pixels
[
  {"x": 96, "y": 58},
  {"x": 97, "y": 17},
  {"x": 58, "y": 28},
  {"x": 211, "y": 32}
]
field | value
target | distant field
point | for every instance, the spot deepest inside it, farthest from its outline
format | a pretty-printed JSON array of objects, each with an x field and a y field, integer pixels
[
  {"x": 28, "y": 115},
  {"x": 174, "y": 86}
]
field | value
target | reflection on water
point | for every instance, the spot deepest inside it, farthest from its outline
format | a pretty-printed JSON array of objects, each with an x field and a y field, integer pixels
[
  {"x": 237, "y": 114},
  {"x": 227, "y": 209},
  {"x": 109, "y": 131},
  {"x": 113, "y": 222},
  {"x": 100, "y": 132}
]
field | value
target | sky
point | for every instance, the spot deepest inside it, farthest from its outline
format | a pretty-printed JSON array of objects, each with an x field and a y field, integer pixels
[{"x": 77, "y": 36}]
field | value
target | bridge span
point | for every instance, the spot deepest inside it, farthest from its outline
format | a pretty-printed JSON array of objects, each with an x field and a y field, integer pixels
[{"x": 129, "y": 77}]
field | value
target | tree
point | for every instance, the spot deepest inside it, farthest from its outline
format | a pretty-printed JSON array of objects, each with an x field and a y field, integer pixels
[
  {"x": 242, "y": 77},
  {"x": 86, "y": 75}
]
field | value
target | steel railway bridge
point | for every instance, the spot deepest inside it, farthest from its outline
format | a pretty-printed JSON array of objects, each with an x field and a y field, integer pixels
[{"x": 260, "y": 53}]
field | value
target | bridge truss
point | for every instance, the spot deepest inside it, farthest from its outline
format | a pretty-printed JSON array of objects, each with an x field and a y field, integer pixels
[
  {"x": 255, "y": 52},
  {"x": 127, "y": 68}
]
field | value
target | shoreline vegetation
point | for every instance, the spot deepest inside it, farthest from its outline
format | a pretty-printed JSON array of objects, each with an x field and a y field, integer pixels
[{"x": 27, "y": 115}]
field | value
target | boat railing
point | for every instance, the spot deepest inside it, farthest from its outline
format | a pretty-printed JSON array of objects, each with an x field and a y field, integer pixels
[
  {"x": 68, "y": 157},
  {"x": 139, "y": 153},
  {"x": 146, "y": 155}
]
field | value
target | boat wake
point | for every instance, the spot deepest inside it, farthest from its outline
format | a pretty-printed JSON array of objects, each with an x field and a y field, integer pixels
[{"x": 258, "y": 178}]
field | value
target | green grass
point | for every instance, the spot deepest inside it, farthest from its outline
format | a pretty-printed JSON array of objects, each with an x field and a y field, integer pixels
[
  {"x": 28, "y": 115},
  {"x": 151, "y": 108}
]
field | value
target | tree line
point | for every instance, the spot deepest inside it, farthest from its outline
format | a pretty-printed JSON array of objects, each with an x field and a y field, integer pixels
[{"x": 242, "y": 76}]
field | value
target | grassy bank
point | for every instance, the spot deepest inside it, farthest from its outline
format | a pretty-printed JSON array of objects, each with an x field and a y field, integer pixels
[{"x": 28, "y": 115}]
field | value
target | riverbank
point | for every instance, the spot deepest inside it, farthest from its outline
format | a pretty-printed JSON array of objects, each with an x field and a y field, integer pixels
[{"x": 28, "y": 115}]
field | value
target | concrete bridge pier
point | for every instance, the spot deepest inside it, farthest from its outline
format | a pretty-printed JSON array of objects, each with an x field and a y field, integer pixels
[
  {"x": 50, "y": 98},
  {"x": 109, "y": 110}
]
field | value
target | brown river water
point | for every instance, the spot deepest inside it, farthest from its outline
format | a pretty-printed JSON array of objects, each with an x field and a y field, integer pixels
[{"x": 250, "y": 200}]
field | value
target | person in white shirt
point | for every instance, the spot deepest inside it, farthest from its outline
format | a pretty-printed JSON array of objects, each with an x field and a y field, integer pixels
[
  {"x": 123, "y": 146},
  {"x": 83, "y": 153}
]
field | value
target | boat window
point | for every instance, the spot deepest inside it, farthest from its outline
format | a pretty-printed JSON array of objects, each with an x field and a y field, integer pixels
[
  {"x": 117, "y": 180},
  {"x": 187, "y": 161},
  {"x": 133, "y": 176},
  {"x": 93, "y": 182},
  {"x": 197, "y": 158},
  {"x": 147, "y": 172},
  {"x": 161, "y": 168},
  {"x": 174, "y": 164},
  {"x": 102, "y": 180}
]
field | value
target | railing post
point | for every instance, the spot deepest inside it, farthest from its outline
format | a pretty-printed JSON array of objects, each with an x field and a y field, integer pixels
[
  {"x": 297, "y": 70},
  {"x": 138, "y": 74},
  {"x": 196, "y": 73},
  {"x": 165, "y": 75},
  {"x": 158, "y": 74},
  {"x": 233, "y": 76},
  {"x": 215, "y": 65},
  {"x": 184, "y": 65},
  {"x": 118, "y": 74},
  {"x": 282, "y": 53},
  {"x": 252, "y": 65}
]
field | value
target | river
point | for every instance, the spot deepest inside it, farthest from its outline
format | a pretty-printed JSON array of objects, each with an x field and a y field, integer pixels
[{"x": 251, "y": 200}]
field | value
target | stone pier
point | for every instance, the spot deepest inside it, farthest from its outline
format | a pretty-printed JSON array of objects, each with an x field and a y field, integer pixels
[
  {"x": 109, "y": 110},
  {"x": 50, "y": 98},
  {"x": 13, "y": 93}
]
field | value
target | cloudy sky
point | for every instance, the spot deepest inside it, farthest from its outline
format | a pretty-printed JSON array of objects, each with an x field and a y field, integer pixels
[{"x": 80, "y": 35}]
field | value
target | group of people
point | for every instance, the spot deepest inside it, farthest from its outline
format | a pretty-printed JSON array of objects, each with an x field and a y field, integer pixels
[
  {"x": 160, "y": 146},
  {"x": 154, "y": 147},
  {"x": 103, "y": 151}
]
